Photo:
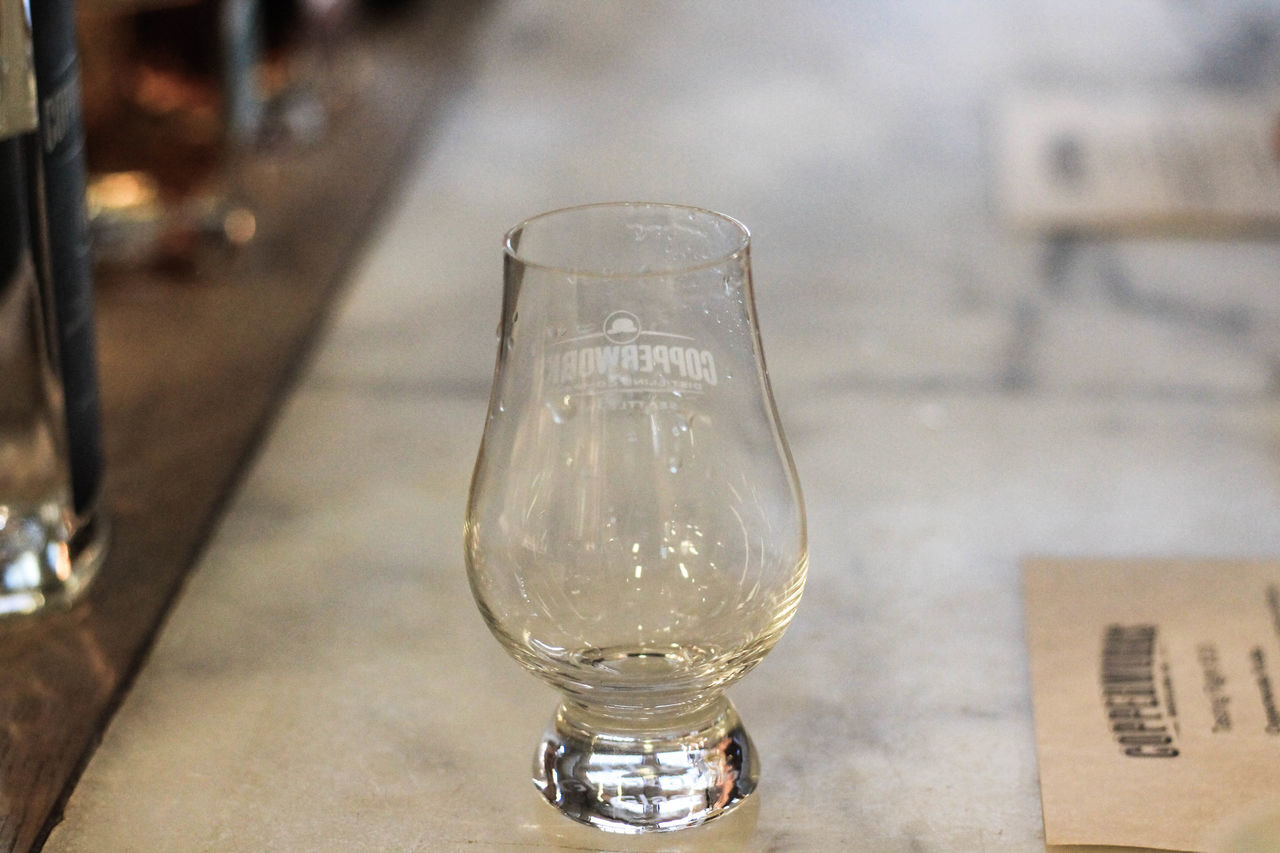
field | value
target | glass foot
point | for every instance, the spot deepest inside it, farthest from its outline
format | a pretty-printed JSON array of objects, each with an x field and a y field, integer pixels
[
  {"x": 632, "y": 777},
  {"x": 41, "y": 567}
]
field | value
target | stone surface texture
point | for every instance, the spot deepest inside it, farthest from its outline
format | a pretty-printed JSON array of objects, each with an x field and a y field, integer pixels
[{"x": 957, "y": 397}]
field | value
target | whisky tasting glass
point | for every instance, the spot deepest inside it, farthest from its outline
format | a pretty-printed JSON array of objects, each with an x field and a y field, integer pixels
[{"x": 635, "y": 533}]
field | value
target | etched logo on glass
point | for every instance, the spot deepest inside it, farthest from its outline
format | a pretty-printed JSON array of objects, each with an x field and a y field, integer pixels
[
  {"x": 621, "y": 327},
  {"x": 621, "y": 354}
]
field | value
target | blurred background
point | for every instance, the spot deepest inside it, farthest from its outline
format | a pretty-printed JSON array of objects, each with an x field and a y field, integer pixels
[
  {"x": 992, "y": 196},
  {"x": 1070, "y": 189}
]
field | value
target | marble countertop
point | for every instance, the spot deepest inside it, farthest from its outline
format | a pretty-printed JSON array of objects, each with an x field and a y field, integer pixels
[{"x": 957, "y": 397}]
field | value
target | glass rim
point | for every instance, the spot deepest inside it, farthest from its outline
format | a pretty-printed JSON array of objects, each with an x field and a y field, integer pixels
[{"x": 740, "y": 247}]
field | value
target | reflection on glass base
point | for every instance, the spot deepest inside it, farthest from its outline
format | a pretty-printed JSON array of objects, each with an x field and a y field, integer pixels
[
  {"x": 40, "y": 567},
  {"x": 649, "y": 779}
]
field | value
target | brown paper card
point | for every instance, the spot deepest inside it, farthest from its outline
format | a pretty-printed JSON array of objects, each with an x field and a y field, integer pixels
[{"x": 1156, "y": 687}]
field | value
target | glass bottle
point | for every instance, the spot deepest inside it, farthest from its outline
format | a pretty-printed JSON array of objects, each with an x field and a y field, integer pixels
[{"x": 48, "y": 549}]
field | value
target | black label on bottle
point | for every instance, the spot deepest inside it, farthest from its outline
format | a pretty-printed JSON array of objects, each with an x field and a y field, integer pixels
[
  {"x": 13, "y": 215},
  {"x": 62, "y": 148}
]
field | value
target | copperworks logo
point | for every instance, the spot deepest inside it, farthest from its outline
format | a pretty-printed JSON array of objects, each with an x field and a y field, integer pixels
[
  {"x": 620, "y": 354},
  {"x": 621, "y": 327}
]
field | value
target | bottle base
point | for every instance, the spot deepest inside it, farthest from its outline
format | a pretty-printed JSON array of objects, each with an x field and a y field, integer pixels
[
  {"x": 42, "y": 570},
  {"x": 627, "y": 780}
]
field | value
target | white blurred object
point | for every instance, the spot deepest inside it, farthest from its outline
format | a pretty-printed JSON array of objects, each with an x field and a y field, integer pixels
[{"x": 1182, "y": 160}]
